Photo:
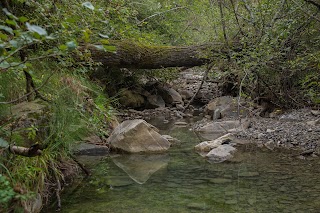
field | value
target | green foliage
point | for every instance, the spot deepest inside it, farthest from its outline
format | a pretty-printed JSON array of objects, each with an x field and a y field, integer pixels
[
  {"x": 311, "y": 84},
  {"x": 3, "y": 143},
  {"x": 6, "y": 191},
  {"x": 47, "y": 43},
  {"x": 277, "y": 56}
]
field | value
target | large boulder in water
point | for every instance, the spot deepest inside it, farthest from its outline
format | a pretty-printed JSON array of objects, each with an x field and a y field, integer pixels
[{"x": 135, "y": 136}]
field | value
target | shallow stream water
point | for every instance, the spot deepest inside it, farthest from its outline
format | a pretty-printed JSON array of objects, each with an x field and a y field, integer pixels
[{"x": 182, "y": 181}]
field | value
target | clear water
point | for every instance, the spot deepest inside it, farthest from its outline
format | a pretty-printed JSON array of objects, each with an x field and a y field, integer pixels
[{"x": 182, "y": 181}]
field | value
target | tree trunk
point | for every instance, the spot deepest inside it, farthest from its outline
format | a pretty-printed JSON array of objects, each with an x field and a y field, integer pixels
[{"x": 138, "y": 56}]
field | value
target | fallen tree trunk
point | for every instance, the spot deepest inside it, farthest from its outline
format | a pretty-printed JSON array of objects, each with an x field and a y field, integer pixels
[
  {"x": 27, "y": 152},
  {"x": 138, "y": 56}
]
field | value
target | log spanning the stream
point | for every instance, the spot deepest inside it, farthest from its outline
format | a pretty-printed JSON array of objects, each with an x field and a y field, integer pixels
[{"x": 133, "y": 55}]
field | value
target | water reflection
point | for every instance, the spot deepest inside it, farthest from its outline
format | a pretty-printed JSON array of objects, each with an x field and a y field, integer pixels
[
  {"x": 140, "y": 167},
  {"x": 183, "y": 182}
]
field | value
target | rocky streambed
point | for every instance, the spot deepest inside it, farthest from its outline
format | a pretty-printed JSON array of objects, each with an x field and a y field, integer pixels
[
  {"x": 219, "y": 154},
  {"x": 180, "y": 180},
  {"x": 214, "y": 115}
]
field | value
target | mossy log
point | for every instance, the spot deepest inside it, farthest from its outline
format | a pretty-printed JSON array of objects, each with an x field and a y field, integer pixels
[{"x": 133, "y": 55}]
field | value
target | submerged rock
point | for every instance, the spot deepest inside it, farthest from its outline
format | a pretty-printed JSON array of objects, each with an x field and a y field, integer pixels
[
  {"x": 137, "y": 136},
  {"x": 119, "y": 181},
  {"x": 171, "y": 139}
]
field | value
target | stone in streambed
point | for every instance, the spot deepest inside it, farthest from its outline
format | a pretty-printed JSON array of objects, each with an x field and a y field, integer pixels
[
  {"x": 90, "y": 149},
  {"x": 214, "y": 130},
  {"x": 135, "y": 136},
  {"x": 155, "y": 101},
  {"x": 221, "y": 153},
  {"x": 206, "y": 146}
]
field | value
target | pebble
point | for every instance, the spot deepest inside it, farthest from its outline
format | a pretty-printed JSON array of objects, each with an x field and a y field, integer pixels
[
  {"x": 261, "y": 135},
  {"x": 315, "y": 112},
  {"x": 181, "y": 123}
]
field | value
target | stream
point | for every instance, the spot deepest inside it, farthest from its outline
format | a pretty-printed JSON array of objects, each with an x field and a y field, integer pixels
[{"x": 182, "y": 181}]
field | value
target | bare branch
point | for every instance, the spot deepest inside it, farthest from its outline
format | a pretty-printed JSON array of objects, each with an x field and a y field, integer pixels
[
  {"x": 160, "y": 13},
  {"x": 26, "y": 95}
]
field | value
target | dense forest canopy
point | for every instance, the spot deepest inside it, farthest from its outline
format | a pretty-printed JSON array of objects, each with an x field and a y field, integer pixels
[{"x": 50, "y": 49}]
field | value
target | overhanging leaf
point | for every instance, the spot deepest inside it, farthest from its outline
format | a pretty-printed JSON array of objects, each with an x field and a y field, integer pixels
[
  {"x": 2, "y": 49},
  {"x": 104, "y": 41},
  {"x": 109, "y": 48},
  {"x": 15, "y": 43},
  {"x": 88, "y": 5},
  {"x": 3, "y": 36},
  {"x": 6, "y": 65},
  {"x": 10, "y": 15},
  {"x": 11, "y": 22},
  {"x": 3, "y": 143},
  {"x": 23, "y": 19},
  {"x": 71, "y": 45},
  {"x": 103, "y": 36},
  {"x": 99, "y": 47},
  {"x": 36, "y": 29},
  {"x": 63, "y": 47},
  {"x": 7, "y": 29}
]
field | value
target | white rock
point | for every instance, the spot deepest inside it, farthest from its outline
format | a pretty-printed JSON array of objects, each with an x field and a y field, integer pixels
[
  {"x": 206, "y": 146},
  {"x": 221, "y": 153},
  {"x": 315, "y": 112}
]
